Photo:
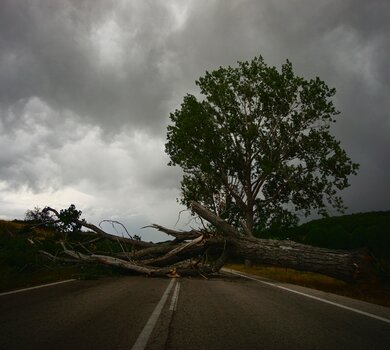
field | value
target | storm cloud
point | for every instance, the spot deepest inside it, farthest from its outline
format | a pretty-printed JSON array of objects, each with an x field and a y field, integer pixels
[{"x": 86, "y": 88}]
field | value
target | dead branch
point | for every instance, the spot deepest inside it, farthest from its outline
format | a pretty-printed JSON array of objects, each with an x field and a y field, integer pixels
[
  {"x": 223, "y": 227},
  {"x": 179, "y": 235},
  {"x": 99, "y": 232},
  {"x": 113, "y": 222},
  {"x": 57, "y": 258},
  {"x": 173, "y": 252}
]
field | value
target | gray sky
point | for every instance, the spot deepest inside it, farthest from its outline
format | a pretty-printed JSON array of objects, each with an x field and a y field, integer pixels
[{"x": 86, "y": 88}]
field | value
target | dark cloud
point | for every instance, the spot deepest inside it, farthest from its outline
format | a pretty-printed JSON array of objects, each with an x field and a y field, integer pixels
[
  {"x": 86, "y": 88},
  {"x": 100, "y": 60}
]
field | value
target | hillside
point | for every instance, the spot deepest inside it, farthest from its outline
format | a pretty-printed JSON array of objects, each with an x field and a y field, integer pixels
[{"x": 21, "y": 263}]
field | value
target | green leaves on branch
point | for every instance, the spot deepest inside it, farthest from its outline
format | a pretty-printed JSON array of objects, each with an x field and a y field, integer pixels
[
  {"x": 68, "y": 219},
  {"x": 258, "y": 145}
]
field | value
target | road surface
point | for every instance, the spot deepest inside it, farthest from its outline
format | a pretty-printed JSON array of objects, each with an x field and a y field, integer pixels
[{"x": 223, "y": 313}]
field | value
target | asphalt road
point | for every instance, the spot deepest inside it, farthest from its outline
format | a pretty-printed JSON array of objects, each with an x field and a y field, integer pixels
[{"x": 223, "y": 313}]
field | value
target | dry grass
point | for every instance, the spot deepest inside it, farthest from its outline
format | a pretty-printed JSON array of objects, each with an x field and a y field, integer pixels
[{"x": 371, "y": 291}]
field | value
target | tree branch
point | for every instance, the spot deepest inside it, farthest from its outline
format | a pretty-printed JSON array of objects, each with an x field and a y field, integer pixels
[
  {"x": 99, "y": 232},
  {"x": 179, "y": 235},
  {"x": 222, "y": 225}
]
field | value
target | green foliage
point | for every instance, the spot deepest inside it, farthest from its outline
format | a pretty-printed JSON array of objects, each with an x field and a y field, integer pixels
[
  {"x": 66, "y": 222},
  {"x": 68, "y": 219},
  {"x": 258, "y": 145}
]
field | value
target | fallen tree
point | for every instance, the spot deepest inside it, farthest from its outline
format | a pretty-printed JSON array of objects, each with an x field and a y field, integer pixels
[
  {"x": 256, "y": 144},
  {"x": 205, "y": 251}
]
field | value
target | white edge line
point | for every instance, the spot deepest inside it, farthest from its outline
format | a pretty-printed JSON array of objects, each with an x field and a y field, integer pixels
[
  {"x": 175, "y": 297},
  {"x": 316, "y": 298},
  {"x": 36, "y": 287},
  {"x": 144, "y": 336}
]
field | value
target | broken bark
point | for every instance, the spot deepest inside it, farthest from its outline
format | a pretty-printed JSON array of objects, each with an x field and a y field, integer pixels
[{"x": 204, "y": 252}]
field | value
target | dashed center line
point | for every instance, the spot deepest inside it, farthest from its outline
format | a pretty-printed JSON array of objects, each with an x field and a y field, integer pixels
[
  {"x": 146, "y": 332},
  {"x": 175, "y": 297}
]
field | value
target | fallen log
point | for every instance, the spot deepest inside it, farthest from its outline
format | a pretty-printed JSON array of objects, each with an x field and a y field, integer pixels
[{"x": 341, "y": 264}]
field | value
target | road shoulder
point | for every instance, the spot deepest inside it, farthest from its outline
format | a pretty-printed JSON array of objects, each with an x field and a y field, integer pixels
[{"x": 378, "y": 310}]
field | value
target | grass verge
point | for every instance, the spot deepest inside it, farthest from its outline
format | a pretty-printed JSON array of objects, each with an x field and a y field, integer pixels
[{"x": 372, "y": 291}]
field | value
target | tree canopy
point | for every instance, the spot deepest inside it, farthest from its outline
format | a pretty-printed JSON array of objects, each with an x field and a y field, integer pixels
[{"x": 257, "y": 149}]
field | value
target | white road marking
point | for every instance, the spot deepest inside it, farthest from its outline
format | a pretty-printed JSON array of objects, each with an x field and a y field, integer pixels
[
  {"x": 144, "y": 336},
  {"x": 315, "y": 298},
  {"x": 36, "y": 287},
  {"x": 175, "y": 297}
]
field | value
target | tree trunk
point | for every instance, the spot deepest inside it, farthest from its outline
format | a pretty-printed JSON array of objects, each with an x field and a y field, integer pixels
[{"x": 339, "y": 264}]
